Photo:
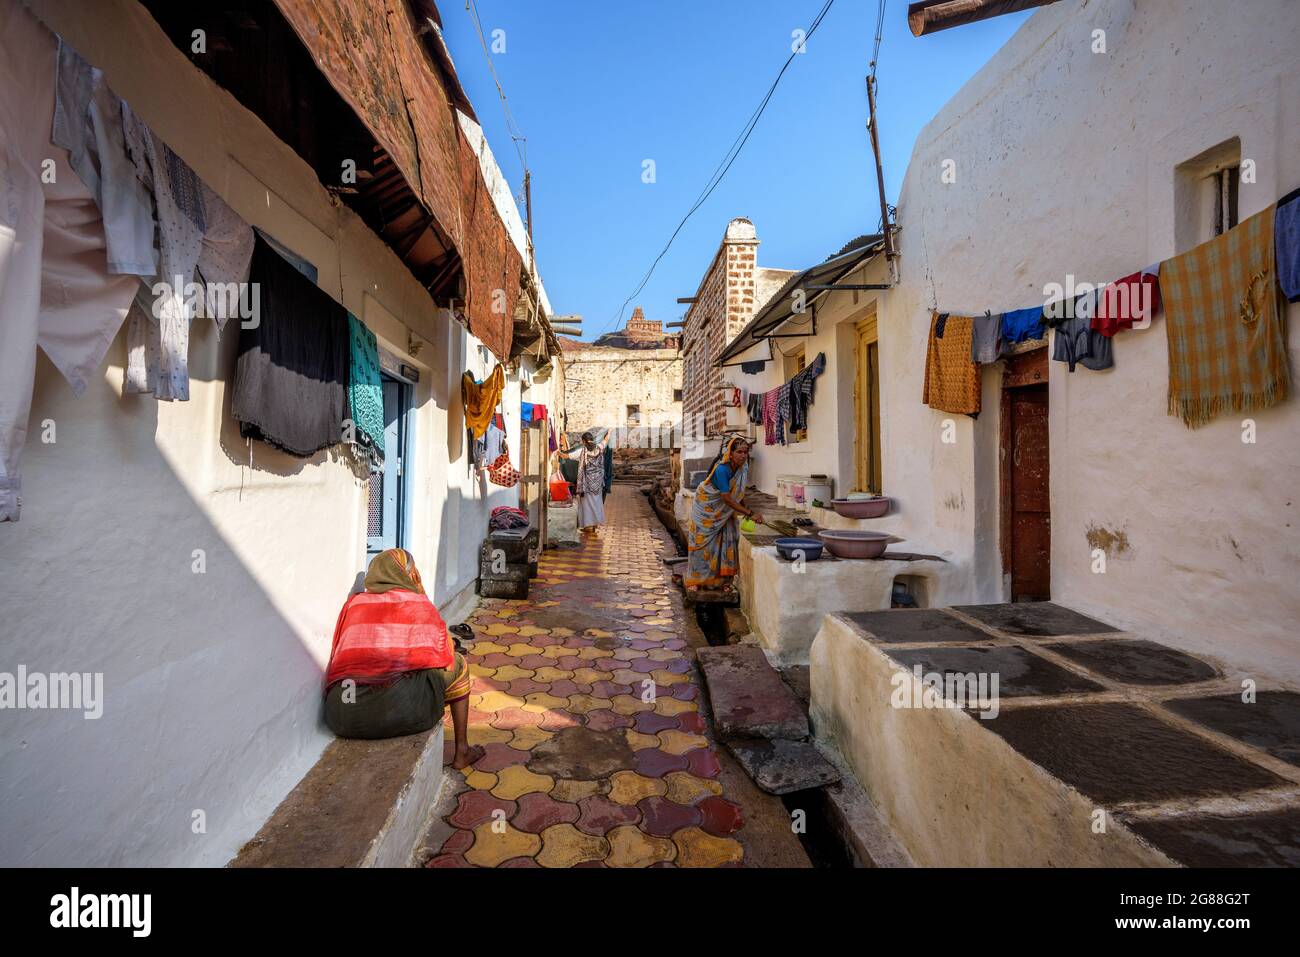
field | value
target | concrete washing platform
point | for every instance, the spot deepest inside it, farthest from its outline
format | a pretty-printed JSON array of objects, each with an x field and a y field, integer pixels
[
  {"x": 785, "y": 607},
  {"x": 1096, "y": 749},
  {"x": 363, "y": 804}
]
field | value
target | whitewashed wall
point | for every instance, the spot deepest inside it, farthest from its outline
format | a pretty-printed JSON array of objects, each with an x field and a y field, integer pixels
[
  {"x": 213, "y": 680},
  {"x": 1064, "y": 162}
]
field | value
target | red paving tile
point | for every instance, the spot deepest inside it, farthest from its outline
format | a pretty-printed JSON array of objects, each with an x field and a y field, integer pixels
[{"x": 623, "y": 555}]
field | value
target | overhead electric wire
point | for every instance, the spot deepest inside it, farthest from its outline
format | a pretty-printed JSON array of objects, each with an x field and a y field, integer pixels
[
  {"x": 511, "y": 127},
  {"x": 724, "y": 164}
]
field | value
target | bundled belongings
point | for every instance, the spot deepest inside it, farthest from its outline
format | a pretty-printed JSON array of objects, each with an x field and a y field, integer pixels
[
  {"x": 55, "y": 290},
  {"x": 365, "y": 394},
  {"x": 952, "y": 379},
  {"x": 1227, "y": 348},
  {"x": 507, "y": 516},
  {"x": 291, "y": 378}
]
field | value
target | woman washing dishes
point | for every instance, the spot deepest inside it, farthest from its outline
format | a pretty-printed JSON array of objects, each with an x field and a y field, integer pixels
[
  {"x": 713, "y": 539},
  {"x": 392, "y": 667},
  {"x": 590, "y": 487}
]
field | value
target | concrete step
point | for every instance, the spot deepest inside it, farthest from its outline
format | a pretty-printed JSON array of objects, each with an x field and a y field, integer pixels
[{"x": 363, "y": 804}]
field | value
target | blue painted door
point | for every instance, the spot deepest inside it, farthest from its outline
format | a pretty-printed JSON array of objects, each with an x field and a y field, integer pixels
[{"x": 385, "y": 519}]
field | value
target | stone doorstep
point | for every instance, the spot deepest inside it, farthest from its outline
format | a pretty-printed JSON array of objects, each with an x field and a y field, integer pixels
[
  {"x": 781, "y": 766},
  {"x": 363, "y": 804},
  {"x": 748, "y": 697}
]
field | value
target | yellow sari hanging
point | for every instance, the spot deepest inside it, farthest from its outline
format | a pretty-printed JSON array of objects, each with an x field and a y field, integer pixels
[{"x": 481, "y": 398}]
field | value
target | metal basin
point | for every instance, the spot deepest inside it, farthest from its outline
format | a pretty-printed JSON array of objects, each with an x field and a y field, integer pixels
[
  {"x": 861, "y": 507},
  {"x": 853, "y": 544}
]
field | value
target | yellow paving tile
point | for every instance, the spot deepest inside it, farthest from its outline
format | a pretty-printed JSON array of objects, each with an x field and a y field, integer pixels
[
  {"x": 563, "y": 632},
  {"x": 696, "y": 848},
  {"x": 511, "y": 672},
  {"x": 549, "y": 674},
  {"x": 662, "y": 654},
  {"x": 670, "y": 706},
  {"x": 493, "y": 847},
  {"x": 484, "y": 734},
  {"x": 591, "y": 652},
  {"x": 629, "y": 704},
  {"x": 517, "y": 779},
  {"x": 527, "y": 631},
  {"x": 668, "y": 678},
  {"x": 480, "y": 780},
  {"x": 631, "y": 847},
  {"x": 563, "y": 845},
  {"x": 481, "y": 648},
  {"x": 687, "y": 788},
  {"x": 521, "y": 650},
  {"x": 679, "y": 742},
  {"x": 587, "y": 676},
  {"x": 553, "y": 651},
  {"x": 639, "y": 741},
  {"x": 574, "y": 791},
  {"x": 500, "y": 629},
  {"x": 498, "y": 701},
  {"x": 528, "y": 737},
  {"x": 626, "y": 676},
  {"x": 628, "y": 787},
  {"x": 540, "y": 702},
  {"x": 585, "y": 703},
  {"x": 481, "y": 671}
]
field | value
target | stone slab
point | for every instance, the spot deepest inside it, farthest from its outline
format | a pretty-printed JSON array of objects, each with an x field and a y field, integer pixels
[
  {"x": 748, "y": 696},
  {"x": 783, "y": 767},
  {"x": 928, "y": 625},
  {"x": 1037, "y": 619},
  {"x": 1120, "y": 752},
  {"x": 1268, "y": 839},
  {"x": 1271, "y": 722},
  {"x": 1136, "y": 662},
  {"x": 363, "y": 804},
  {"x": 1019, "y": 672}
]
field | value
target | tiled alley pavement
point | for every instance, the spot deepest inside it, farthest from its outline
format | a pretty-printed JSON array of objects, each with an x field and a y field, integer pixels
[{"x": 584, "y": 767}]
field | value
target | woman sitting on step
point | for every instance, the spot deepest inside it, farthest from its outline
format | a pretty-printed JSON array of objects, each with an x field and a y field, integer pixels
[
  {"x": 712, "y": 538},
  {"x": 392, "y": 667}
]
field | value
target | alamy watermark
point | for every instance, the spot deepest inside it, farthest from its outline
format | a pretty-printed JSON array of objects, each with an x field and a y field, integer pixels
[
  {"x": 918, "y": 688},
  {"x": 57, "y": 690}
]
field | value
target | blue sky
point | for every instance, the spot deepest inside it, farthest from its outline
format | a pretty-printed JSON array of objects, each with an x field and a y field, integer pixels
[{"x": 599, "y": 87}]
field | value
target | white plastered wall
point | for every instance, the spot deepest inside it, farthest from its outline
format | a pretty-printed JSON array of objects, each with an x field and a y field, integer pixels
[{"x": 212, "y": 680}]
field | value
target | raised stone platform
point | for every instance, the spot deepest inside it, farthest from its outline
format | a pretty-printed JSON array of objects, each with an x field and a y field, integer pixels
[
  {"x": 785, "y": 605},
  {"x": 363, "y": 804},
  {"x": 1098, "y": 748}
]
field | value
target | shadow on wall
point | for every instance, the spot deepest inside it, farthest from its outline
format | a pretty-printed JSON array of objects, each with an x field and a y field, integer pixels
[{"x": 211, "y": 697}]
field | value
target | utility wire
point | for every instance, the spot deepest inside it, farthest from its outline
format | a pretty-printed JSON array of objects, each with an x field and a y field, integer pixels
[
  {"x": 723, "y": 166},
  {"x": 880, "y": 32},
  {"x": 511, "y": 127}
]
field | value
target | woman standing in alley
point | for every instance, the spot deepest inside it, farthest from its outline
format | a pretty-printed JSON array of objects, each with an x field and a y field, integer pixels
[
  {"x": 392, "y": 667},
  {"x": 590, "y": 487},
  {"x": 713, "y": 538}
]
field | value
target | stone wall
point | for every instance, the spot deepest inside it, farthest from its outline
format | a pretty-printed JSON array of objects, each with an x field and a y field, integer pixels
[{"x": 600, "y": 384}]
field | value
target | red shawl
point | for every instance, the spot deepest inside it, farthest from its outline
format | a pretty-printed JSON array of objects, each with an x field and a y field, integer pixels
[{"x": 379, "y": 637}]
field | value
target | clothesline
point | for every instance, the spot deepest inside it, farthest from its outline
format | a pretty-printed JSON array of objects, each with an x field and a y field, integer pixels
[
  {"x": 1249, "y": 263},
  {"x": 788, "y": 403}
]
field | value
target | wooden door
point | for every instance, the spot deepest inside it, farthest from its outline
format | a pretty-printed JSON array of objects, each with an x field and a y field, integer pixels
[
  {"x": 1026, "y": 494},
  {"x": 866, "y": 395}
]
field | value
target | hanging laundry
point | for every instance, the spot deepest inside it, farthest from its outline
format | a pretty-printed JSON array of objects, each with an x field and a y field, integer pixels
[
  {"x": 365, "y": 394},
  {"x": 1227, "y": 344},
  {"x": 1075, "y": 342},
  {"x": 782, "y": 412},
  {"x": 525, "y": 412},
  {"x": 539, "y": 412},
  {"x": 801, "y": 392},
  {"x": 941, "y": 325},
  {"x": 54, "y": 290},
  {"x": 481, "y": 398},
  {"x": 753, "y": 368},
  {"x": 194, "y": 226},
  {"x": 986, "y": 339},
  {"x": 1286, "y": 234},
  {"x": 769, "y": 417},
  {"x": 291, "y": 377},
  {"x": 952, "y": 380},
  {"x": 755, "y": 408},
  {"x": 552, "y": 444},
  {"x": 1022, "y": 325},
  {"x": 494, "y": 443},
  {"x": 1133, "y": 299},
  {"x": 88, "y": 124}
]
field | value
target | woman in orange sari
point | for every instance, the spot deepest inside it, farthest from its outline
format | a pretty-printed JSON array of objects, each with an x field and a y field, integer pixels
[
  {"x": 392, "y": 667},
  {"x": 712, "y": 539}
]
